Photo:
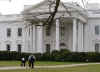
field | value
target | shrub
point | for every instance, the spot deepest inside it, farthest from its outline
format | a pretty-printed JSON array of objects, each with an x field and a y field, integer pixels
[
  {"x": 12, "y": 55},
  {"x": 38, "y": 56},
  {"x": 93, "y": 57},
  {"x": 62, "y": 55},
  {"x": 46, "y": 56}
]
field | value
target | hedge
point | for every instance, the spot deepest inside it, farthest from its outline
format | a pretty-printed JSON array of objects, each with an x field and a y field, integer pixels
[
  {"x": 65, "y": 55},
  {"x": 62, "y": 55},
  {"x": 12, "y": 55}
]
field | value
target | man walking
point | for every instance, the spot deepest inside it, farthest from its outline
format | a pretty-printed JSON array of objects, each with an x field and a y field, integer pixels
[{"x": 31, "y": 61}]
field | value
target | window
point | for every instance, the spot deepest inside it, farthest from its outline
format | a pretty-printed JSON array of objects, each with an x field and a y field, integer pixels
[
  {"x": 19, "y": 47},
  {"x": 47, "y": 47},
  {"x": 8, "y": 32},
  {"x": 97, "y": 46},
  {"x": 8, "y": 47},
  {"x": 62, "y": 44},
  {"x": 97, "y": 30},
  {"x": 62, "y": 29},
  {"x": 47, "y": 32},
  {"x": 19, "y": 31}
]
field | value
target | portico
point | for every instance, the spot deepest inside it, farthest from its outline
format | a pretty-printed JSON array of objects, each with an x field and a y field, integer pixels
[{"x": 65, "y": 32}]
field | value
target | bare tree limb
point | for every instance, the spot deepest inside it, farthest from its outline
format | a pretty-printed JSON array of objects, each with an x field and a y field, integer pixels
[{"x": 52, "y": 15}]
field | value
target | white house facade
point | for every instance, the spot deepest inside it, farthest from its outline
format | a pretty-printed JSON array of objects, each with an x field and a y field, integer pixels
[{"x": 73, "y": 28}]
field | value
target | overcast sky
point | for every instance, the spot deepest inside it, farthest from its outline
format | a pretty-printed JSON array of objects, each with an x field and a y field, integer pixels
[{"x": 16, "y": 6}]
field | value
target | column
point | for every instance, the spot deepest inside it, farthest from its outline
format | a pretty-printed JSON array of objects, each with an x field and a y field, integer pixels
[
  {"x": 39, "y": 41},
  {"x": 31, "y": 38},
  {"x": 57, "y": 35},
  {"x": 74, "y": 35},
  {"x": 80, "y": 37},
  {"x": 34, "y": 39},
  {"x": 25, "y": 39},
  {"x": 28, "y": 39}
]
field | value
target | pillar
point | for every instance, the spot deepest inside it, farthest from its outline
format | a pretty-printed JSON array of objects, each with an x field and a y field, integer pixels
[
  {"x": 39, "y": 38},
  {"x": 31, "y": 38},
  {"x": 34, "y": 39},
  {"x": 80, "y": 37},
  {"x": 57, "y": 35},
  {"x": 74, "y": 35}
]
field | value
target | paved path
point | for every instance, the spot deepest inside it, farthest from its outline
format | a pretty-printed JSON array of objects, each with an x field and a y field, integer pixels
[{"x": 56, "y": 66}]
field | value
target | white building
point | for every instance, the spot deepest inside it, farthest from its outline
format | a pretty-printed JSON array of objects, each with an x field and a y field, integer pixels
[{"x": 73, "y": 28}]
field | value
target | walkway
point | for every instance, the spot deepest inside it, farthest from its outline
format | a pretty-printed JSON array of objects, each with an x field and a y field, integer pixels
[{"x": 56, "y": 66}]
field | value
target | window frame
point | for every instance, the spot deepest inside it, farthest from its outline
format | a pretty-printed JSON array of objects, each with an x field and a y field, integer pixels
[
  {"x": 19, "y": 48},
  {"x": 8, "y": 47},
  {"x": 97, "y": 29},
  {"x": 48, "y": 48},
  {"x": 8, "y": 32},
  {"x": 97, "y": 47},
  {"x": 19, "y": 32}
]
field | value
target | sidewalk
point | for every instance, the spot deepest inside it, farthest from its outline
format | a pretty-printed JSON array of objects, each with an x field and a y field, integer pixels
[{"x": 56, "y": 66}]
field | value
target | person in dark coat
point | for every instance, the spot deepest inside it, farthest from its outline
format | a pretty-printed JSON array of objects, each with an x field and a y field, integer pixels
[
  {"x": 31, "y": 61},
  {"x": 23, "y": 61}
]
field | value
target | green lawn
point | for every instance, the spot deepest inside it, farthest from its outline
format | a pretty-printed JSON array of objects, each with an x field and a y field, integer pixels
[
  {"x": 9, "y": 63},
  {"x": 89, "y": 68},
  {"x": 38, "y": 63}
]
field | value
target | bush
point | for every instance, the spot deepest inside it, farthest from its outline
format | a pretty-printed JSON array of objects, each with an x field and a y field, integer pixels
[
  {"x": 93, "y": 57},
  {"x": 65, "y": 55},
  {"x": 46, "y": 56},
  {"x": 12, "y": 55},
  {"x": 77, "y": 57},
  {"x": 55, "y": 56},
  {"x": 38, "y": 56},
  {"x": 62, "y": 55}
]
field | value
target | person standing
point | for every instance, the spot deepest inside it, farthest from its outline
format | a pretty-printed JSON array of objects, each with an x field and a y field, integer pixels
[
  {"x": 23, "y": 61},
  {"x": 31, "y": 61}
]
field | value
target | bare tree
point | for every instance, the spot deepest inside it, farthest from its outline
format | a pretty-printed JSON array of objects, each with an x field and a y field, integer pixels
[
  {"x": 52, "y": 13},
  {"x": 51, "y": 17}
]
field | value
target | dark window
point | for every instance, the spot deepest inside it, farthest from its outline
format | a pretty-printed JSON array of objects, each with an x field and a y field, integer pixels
[
  {"x": 19, "y": 31},
  {"x": 8, "y": 32},
  {"x": 8, "y": 47},
  {"x": 47, "y": 32},
  {"x": 19, "y": 47},
  {"x": 97, "y": 46},
  {"x": 62, "y": 44},
  {"x": 47, "y": 47},
  {"x": 62, "y": 29},
  {"x": 97, "y": 30}
]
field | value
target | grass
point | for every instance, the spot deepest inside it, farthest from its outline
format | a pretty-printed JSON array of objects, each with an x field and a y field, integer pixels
[
  {"x": 9, "y": 63},
  {"x": 38, "y": 63},
  {"x": 89, "y": 68}
]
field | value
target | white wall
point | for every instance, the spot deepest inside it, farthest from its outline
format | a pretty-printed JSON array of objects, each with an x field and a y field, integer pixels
[
  {"x": 14, "y": 40},
  {"x": 90, "y": 37}
]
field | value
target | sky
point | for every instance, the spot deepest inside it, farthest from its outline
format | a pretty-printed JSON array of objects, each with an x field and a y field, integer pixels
[{"x": 16, "y": 6}]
